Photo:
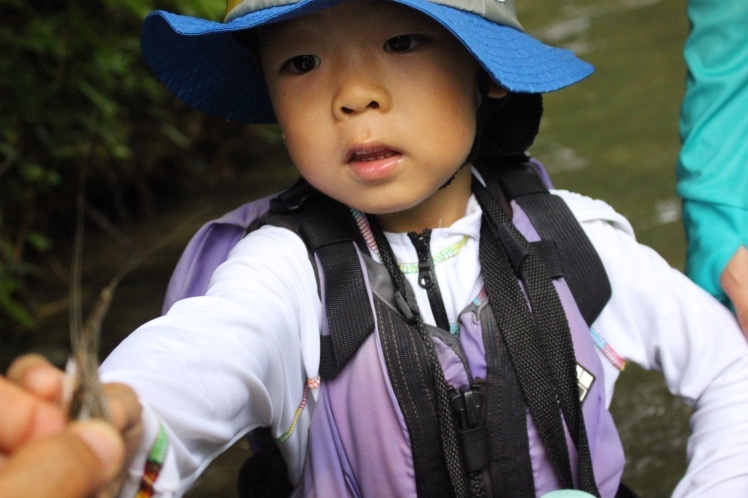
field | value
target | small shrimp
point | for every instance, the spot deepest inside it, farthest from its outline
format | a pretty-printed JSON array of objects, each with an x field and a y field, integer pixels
[{"x": 85, "y": 395}]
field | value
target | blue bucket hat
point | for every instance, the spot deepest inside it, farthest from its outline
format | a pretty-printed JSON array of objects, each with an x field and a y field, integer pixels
[{"x": 205, "y": 65}]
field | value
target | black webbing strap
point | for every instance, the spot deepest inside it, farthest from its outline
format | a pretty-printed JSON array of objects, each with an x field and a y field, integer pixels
[
  {"x": 588, "y": 281},
  {"x": 548, "y": 252},
  {"x": 539, "y": 343},
  {"x": 506, "y": 418},
  {"x": 346, "y": 305},
  {"x": 329, "y": 231},
  {"x": 554, "y": 221},
  {"x": 520, "y": 337},
  {"x": 406, "y": 300},
  {"x": 412, "y": 381}
]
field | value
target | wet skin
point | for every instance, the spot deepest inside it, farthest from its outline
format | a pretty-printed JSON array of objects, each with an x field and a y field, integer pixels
[{"x": 377, "y": 103}]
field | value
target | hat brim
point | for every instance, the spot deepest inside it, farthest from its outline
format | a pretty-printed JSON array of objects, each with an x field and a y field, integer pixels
[{"x": 208, "y": 69}]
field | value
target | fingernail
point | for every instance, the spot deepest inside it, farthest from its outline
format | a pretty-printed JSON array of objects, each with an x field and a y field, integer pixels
[{"x": 104, "y": 442}]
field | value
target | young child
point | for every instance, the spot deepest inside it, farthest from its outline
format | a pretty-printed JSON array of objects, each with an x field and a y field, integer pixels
[{"x": 376, "y": 322}]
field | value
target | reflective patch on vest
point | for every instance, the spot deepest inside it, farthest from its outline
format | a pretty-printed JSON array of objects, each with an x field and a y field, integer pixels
[{"x": 585, "y": 379}]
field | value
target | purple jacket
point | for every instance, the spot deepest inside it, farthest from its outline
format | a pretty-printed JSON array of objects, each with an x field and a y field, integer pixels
[{"x": 359, "y": 442}]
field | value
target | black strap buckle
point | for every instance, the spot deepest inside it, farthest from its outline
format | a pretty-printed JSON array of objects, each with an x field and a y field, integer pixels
[{"x": 467, "y": 402}]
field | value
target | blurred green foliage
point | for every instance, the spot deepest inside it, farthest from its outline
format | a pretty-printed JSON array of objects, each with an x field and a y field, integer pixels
[{"x": 75, "y": 91}]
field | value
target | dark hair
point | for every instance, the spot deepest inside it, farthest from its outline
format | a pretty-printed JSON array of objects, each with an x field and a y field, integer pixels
[{"x": 509, "y": 125}]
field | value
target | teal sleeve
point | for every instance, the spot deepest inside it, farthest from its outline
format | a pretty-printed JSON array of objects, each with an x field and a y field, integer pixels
[
  {"x": 715, "y": 233},
  {"x": 713, "y": 164}
]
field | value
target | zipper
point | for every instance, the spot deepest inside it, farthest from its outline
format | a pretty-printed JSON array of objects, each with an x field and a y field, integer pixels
[
  {"x": 467, "y": 401},
  {"x": 421, "y": 242},
  {"x": 427, "y": 276}
]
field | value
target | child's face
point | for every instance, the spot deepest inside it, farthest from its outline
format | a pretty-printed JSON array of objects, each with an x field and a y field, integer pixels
[{"x": 377, "y": 104}]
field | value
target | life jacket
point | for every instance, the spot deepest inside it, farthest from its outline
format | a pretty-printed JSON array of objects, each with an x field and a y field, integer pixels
[{"x": 370, "y": 435}]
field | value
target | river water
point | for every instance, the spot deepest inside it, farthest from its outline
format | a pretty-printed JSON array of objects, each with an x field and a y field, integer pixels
[{"x": 613, "y": 136}]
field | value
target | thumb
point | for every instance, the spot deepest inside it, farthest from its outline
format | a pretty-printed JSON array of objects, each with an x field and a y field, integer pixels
[
  {"x": 742, "y": 313},
  {"x": 734, "y": 280},
  {"x": 73, "y": 464}
]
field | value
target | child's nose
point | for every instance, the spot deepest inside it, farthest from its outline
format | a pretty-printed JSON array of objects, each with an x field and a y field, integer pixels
[
  {"x": 350, "y": 110},
  {"x": 358, "y": 93}
]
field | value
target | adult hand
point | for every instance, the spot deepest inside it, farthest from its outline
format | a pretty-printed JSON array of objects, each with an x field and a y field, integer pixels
[
  {"x": 40, "y": 454},
  {"x": 734, "y": 281}
]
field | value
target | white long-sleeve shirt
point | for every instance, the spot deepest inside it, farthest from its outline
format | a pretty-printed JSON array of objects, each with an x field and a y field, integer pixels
[{"x": 217, "y": 366}]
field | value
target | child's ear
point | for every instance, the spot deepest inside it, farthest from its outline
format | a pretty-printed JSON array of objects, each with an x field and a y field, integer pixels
[{"x": 496, "y": 91}]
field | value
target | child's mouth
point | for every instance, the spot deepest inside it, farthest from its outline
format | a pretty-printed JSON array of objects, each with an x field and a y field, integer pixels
[
  {"x": 371, "y": 156},
  {"x": 372, "y": 163}
]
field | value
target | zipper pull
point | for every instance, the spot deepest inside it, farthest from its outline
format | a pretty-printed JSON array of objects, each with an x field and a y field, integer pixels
[
  {"x": 427, "y": 277},
  {"x": 421, "y": 243}
]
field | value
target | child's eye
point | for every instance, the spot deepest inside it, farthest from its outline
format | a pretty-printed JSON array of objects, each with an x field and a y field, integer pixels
[
  {"x": 403, "y": 43},
  {"x": 301, "y": 64}
]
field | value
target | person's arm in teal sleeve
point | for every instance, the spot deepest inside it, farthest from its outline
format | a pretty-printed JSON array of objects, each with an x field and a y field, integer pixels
[{"x": 713, "y": 165}]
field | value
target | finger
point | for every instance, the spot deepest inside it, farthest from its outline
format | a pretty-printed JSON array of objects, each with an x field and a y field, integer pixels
[
  {"x": 125, "y": 410},
  {"x": 124, "y": 406},
  {"x": 734, "y": 281},
  {"x": 742, "y": 313},
  {"x": 73, "y": 464},
  {"x": 34, "y": 373},
  {"x": 24, "y": 417}
]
